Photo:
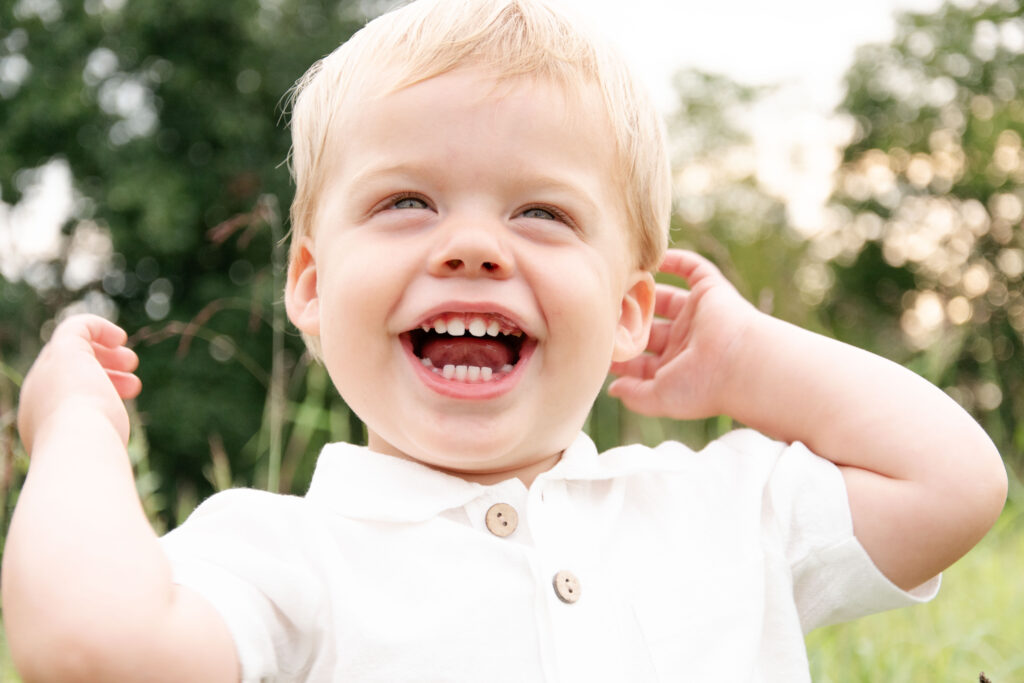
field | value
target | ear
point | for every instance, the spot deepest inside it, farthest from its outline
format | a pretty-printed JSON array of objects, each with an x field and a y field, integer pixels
[
  {"x": 301, "y": 299},
  {"x": 635, "y": 318}
]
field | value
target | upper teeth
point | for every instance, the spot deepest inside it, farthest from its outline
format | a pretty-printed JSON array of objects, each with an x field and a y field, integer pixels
[{"x": 476, "y": 325}]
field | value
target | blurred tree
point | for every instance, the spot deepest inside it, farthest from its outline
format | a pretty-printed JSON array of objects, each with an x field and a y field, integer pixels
[
  {"x": 722, "y": 208},
  {"x": 723, "y": 211},
  {"x": 166, "y": 119},
  {"x": 926, "y": 244}
]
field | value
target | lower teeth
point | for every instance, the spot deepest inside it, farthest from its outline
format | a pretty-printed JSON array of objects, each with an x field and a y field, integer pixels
[{"x": 467, "y": 373}]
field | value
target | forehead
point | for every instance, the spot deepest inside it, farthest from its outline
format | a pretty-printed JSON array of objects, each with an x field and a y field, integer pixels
[
  {"x": 482, "y": 94},
  {"x": 524, "y": 123}
]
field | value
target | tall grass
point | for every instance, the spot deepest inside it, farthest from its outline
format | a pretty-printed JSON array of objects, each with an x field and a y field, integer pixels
[{"x": 975, "y": 625}]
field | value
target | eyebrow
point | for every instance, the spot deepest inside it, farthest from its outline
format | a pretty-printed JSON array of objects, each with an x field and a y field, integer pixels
[{"x": 366, "y": 176}]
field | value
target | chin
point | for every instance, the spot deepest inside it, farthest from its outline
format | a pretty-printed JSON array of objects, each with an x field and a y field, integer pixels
[
  {"x": 464, "y": 454},
  {"x": 461, "y": 449}
]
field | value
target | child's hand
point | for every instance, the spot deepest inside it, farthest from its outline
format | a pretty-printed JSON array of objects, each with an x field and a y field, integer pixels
[
  {"x": 690, "y": 353},
  {"x": 85, "y": 360},
  {"x": 83, "y": 570},
  {"x": 912, "y": 459}
]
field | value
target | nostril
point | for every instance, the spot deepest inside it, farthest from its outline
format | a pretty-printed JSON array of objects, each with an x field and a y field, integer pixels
[
  {"x": 453, "y": 263},
  {"x": 490, "y": 267}
]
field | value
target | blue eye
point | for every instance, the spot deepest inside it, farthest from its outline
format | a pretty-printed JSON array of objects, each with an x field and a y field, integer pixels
[
  {"x": 409, "y": 203},
  {"x": 537, "y": 212}
]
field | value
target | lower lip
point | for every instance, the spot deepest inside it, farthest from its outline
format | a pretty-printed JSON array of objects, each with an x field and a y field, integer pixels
[{"x": 472, "y": 391}]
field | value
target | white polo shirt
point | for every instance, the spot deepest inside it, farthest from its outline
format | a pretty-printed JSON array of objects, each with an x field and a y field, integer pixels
[{"x": 639, "y": 564}]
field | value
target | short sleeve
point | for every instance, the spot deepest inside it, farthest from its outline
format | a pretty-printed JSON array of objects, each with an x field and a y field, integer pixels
[
  {"x": 834, "y": 578},
  {"x": 238, "y": 550}
]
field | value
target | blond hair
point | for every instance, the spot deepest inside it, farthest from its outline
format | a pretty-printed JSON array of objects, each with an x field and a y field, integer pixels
[{"x": 511, "y": 38}]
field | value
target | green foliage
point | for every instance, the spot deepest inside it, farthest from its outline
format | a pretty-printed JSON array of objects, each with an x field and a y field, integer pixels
[
  {"x": 722, "y": 211},
  {"x": 927, "y": 247},
  {"x": 170, "y": 117}
]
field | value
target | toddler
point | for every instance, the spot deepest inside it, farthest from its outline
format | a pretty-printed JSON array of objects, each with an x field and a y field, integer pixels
[{"x": 482, "y": 196}]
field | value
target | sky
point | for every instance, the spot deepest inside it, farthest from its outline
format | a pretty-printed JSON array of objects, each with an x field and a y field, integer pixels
[
  {"x": 804, "y": 46},
  {"x": 804, "y": 42}
]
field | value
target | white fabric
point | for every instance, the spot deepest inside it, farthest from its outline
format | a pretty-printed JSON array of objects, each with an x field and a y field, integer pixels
[{"x": 692, "y": 566}]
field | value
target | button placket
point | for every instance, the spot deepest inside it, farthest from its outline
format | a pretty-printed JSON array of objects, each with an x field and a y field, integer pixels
[{"x": 552, "y": 521}]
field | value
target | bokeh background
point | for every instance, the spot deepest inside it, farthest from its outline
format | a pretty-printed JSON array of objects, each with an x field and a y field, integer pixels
[{"x": 142, "y": 177}]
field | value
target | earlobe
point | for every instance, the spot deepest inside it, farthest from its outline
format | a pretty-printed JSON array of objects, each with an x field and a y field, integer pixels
[
  {"x": 301, "y": 298},
  {"x": 635, "y": 317}
]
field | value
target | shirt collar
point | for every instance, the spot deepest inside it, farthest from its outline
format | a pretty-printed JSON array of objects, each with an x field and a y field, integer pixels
[{"x": 359, "y": 483}]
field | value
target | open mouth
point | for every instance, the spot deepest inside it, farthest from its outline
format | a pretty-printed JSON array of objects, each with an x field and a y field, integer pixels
[{"x": 468, "y": 347}]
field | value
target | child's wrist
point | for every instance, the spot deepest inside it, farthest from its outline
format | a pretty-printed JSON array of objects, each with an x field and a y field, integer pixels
[
  {"x": 743, "y": 363},
  {"x": 75, "y": 418}
]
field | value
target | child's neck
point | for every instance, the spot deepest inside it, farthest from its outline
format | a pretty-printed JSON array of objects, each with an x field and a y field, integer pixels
[{"x": 525, "y": 472}]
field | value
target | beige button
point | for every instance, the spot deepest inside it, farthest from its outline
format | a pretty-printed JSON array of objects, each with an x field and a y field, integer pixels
[
  {"x": 501, "y": 519},
  {"x": 567, "y": 587}
]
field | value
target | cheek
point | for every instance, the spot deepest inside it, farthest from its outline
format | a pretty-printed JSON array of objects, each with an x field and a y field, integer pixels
[
  {"x": 355, "y": 277},
  {"x": 352, "y": 309},
  {"x": 352, "y": 340},
  {"x": 588, "y": 314}
]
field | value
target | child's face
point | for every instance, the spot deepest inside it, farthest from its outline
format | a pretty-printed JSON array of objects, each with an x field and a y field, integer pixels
[{"x": 453, "y": 205}]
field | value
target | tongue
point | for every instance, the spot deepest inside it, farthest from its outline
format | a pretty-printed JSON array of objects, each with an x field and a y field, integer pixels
[{"x": 466, "y": 351}]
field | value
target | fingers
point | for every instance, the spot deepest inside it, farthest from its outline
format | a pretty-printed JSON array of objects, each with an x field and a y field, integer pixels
[
  {"x": 126, "y": 384},
  {"x": 637, "y": 395},
  {"x": 688, "y": 265},
  {"x": 641, "y": 367},
  {"x": 648, "y": 363},
  {"x": 660, "y": 333},
  {"x": 120, "y": 358},
  {"x": 92, "y": 328},
  {"x": 669, "y": 300},
  {"x": 106, "y": 341}
]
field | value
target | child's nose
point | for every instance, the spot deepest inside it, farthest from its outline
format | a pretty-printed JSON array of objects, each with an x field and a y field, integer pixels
[{"x": 471, "y": 249}]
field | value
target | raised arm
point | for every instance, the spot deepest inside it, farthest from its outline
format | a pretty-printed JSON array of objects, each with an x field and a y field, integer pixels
[
  {"x": 87, "y": 591},
  {"x": 924, "y": 480}
]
